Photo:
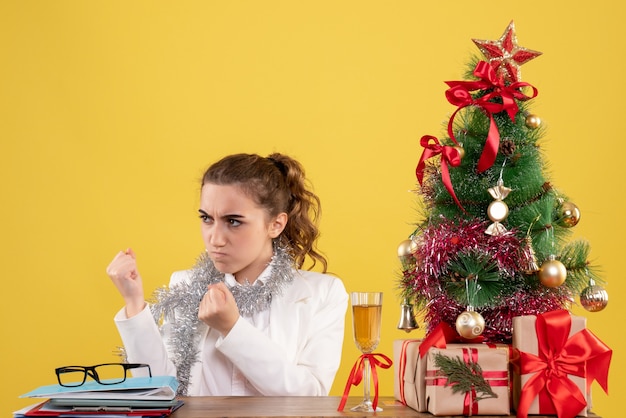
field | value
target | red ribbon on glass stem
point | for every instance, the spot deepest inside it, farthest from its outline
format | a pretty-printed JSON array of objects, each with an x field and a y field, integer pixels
[
  {"x": 356, "y": 375},
  {"x": 459, "y": 94},
  {"x": 559, "y": 355},
  {"x": 449, "y": 156}
]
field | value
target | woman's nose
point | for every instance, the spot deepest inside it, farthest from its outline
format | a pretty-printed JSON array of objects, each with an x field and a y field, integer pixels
[{"x": 217, "y": 238}]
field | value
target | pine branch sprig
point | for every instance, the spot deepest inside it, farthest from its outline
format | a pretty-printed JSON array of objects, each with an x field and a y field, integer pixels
[{"x": 463, "y": 377}]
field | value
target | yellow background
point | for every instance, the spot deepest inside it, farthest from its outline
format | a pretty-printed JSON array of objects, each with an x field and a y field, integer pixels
[{"x": 110, "y": 111}]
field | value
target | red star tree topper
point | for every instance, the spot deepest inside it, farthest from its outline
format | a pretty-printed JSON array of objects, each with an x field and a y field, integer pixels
[{"x": 505, "y": 55}]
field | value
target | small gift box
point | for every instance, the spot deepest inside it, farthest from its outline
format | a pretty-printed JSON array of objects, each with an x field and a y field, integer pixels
[
  {"x": 409, "y": 374},
  {"x": 467, "y": 381},
  {"x": 558, "y": 360},
  {"x": 409, "y": 359}
]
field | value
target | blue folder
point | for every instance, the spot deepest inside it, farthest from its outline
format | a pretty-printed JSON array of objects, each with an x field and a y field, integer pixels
[{"x": 133, "y": 388}]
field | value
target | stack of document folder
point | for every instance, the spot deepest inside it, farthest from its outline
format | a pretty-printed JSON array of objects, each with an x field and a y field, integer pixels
[{"x": 135, "y": 397}]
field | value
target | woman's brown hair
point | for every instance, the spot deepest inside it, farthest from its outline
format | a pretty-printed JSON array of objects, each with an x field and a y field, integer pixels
[{"x": 278, "y": 184}]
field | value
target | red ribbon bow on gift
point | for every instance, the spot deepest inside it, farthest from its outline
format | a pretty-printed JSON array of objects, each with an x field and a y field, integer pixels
[
  {"x": 582, "y": 354},
  {"x": 449, "y": 156},
  {"x": 356, "y": 375},
  {"x": 441, "y": 335},
  {"x": 459, "y": 94}
]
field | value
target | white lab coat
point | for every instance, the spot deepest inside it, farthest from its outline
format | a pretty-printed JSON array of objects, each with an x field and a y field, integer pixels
[{"x": 297, "y": 354}]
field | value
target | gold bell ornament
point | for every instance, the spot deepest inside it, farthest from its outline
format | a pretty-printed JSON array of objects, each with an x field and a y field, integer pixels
[
  {"x": 407, "y": 318},
  {"x": 531, "y": 265}
]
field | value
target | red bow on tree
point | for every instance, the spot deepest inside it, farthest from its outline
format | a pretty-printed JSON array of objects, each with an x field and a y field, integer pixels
[
  {"x": 449, "y": 155},
  {"x": 459, "y": 94}
]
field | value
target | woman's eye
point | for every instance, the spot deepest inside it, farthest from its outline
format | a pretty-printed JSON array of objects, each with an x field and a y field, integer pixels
[
  {"x": 234, "y": 222},
  {"x": 205, "y": 218}
]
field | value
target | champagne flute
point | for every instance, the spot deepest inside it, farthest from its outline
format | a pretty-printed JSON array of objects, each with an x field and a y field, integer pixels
[{"x": 366, "y": 318}]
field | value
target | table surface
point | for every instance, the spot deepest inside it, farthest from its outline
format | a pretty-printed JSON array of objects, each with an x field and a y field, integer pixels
[{"x": 291, "y": 406}]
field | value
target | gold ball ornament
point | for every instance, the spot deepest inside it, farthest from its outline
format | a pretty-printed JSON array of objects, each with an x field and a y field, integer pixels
[
  {"x": 568, "y": 215},
  {"x": 594, "y": 298},
  {"x": 461, "y": 151},
  {"x": 552, "y": 273},
  {"x": 405, "y": 248},
  {"x": 532, "y": 121},
  {"x": 470, "y": 324},
  {"x": 497, "y": 211}
]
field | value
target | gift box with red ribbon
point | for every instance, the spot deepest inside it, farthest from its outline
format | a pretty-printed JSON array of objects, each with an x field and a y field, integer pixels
[
  {"x": 409, "y": 359},
  {"x": 467, "y": 381},
  {"x": 409, "y": 374},
  {"x": 559, "y": 358}
]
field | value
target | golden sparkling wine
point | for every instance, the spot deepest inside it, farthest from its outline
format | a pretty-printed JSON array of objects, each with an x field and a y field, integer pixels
[{"x": 366, "y": 322}]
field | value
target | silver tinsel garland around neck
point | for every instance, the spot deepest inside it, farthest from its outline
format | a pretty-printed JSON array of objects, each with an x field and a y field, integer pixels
[{"x": 177, "y": 307}]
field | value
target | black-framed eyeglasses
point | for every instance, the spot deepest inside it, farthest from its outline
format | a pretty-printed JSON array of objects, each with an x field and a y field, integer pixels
[{"x": 105, "y": 374}]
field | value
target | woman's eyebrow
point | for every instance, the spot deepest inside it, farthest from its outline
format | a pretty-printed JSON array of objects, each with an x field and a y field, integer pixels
[{"x": 227, "y": 216}]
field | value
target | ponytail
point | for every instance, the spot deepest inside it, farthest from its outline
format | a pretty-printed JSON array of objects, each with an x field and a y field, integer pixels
[{"x": 304, "y": 212}]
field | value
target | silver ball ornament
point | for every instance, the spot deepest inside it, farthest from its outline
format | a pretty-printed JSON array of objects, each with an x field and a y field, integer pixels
[{"x": 594, "y": 298}]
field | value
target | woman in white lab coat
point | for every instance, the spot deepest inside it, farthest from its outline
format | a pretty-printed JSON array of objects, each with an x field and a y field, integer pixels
[{"x": 246, "y": 320}]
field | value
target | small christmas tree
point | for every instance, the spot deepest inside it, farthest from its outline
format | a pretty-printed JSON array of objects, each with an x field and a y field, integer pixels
[{"x": 493, "y": 243}]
